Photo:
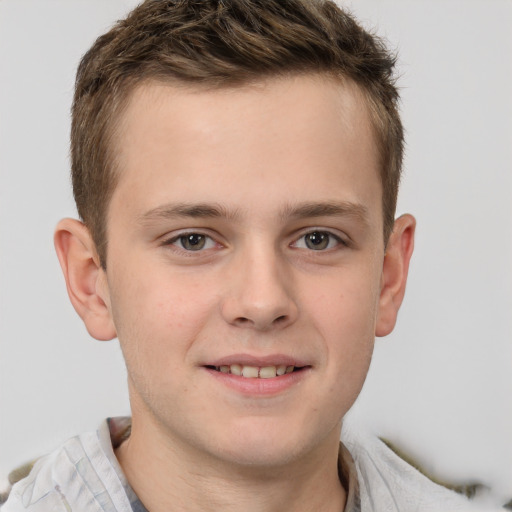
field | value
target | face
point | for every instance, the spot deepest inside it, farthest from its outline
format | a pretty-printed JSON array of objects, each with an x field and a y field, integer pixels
[{"x": 244, "y": 263}]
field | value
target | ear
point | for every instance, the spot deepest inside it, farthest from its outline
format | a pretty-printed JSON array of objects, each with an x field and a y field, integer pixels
[
  {"x": 394, "y": 273},
  {"x": 86, "y": 280}
]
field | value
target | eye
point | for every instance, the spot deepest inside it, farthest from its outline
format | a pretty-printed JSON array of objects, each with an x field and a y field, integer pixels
[
  {"x": 192, "y": 242},
  {"x": 318, "y": 241}
]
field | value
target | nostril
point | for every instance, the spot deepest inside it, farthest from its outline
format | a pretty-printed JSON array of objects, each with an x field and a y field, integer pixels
[{"x": 280, "y": 319}]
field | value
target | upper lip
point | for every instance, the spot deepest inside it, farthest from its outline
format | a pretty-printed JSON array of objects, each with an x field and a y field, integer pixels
[{"x": 258, "y": 361}]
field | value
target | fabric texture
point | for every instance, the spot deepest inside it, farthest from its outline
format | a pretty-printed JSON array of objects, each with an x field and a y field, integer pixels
[
  {"x": 84, "y": 475},
  {"x": 389, "y": 484}
]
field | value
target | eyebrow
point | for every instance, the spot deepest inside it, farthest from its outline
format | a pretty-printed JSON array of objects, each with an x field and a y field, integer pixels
[
  {"x": 195, "y": 210},
  {"x": 290, "y": 211},
  {"x": 326, "y": 209}
]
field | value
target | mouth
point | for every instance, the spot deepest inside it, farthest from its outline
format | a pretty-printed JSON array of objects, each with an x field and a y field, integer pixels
[{"x": 256, "y": 372}]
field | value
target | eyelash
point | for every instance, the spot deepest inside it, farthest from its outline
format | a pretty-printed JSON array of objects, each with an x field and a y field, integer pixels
[
  {"x": 320, "y": 233},
  {"x": 181, "y": 239}
]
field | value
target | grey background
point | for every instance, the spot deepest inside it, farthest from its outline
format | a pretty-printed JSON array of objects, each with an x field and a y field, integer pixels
[{"x": 440, "y": 386}]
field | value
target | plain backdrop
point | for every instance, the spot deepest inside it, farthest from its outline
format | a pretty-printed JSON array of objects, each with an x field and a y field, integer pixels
[{"x": 440, "y": 386}]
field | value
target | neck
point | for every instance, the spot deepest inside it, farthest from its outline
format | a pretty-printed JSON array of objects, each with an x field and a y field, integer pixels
[{"x": 168, "y": 475}]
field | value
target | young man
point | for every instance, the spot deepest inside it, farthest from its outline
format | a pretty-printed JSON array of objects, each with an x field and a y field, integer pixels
[{"x": 235, "y": 166}]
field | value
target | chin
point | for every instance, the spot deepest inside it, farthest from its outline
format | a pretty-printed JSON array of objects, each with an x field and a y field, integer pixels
[
  {"x": 264, "y": 445},
  {"x": 260, "y": 455}
]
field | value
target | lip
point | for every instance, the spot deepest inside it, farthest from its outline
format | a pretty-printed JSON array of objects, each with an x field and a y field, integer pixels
[
  {"x": 260, "y": 361},
  {"x": 257, "y": 387}
]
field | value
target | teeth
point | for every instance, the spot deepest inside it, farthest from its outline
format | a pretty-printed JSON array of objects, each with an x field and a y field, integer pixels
[
  {"x": 236, "y": 369},
  {"x": 281, "y": 369},
  {"x": 267, "y": 372},
  {"x": 254, "y": 372},
  {"x": 250, "y": 372}
]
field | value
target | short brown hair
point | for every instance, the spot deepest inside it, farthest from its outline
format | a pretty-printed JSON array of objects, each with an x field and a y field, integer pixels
[{"x": 220, "y": 43}]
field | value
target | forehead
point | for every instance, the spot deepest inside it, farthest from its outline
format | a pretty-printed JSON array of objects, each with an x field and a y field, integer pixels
[
  {"x": 297, "y": 132},
  {"x": 314, "y": 98}
]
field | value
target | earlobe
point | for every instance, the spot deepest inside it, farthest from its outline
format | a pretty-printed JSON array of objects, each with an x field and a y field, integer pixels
[
  {"x": 394, "y": 273},
  {"x": 85, "y": 279}
]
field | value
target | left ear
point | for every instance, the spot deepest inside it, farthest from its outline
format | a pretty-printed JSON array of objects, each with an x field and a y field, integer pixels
[{"x": 394, "y": 273}]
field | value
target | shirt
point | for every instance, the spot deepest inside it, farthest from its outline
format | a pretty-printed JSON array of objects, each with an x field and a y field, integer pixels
[{"x": 84, "y": 475}]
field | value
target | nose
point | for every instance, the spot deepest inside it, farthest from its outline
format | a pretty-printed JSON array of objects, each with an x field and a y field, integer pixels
[{"x": 260, "y": 292}]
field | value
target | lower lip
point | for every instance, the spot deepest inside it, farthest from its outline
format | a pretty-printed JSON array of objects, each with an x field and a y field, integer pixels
[{"x": 257, "y": 386}]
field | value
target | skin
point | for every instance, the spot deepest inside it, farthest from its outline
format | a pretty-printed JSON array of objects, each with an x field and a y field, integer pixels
[{"x": 255, "y": 170}]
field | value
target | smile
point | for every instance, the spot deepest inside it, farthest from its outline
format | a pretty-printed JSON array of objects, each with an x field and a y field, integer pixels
[{"x": 255, "y": 372}]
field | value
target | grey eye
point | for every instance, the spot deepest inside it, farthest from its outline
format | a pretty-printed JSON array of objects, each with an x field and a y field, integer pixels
[
  {"x": 193, "y": 241},
  {"x": 317, "y": 240}
]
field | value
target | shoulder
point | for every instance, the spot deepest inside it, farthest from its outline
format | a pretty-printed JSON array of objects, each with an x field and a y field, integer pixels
[
  {"x": 76, "y": 476},
  {"x": 388, "y": 483}
]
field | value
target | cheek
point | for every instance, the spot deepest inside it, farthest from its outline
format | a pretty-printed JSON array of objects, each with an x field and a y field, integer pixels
[
  {"x": 346, "y": 307},
  {"x": 159, "y": 315},
  {"x": 345, "y": 315}
]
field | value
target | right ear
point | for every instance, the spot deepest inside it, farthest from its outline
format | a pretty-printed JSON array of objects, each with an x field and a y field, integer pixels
[{"x": 86, "y": 280}]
